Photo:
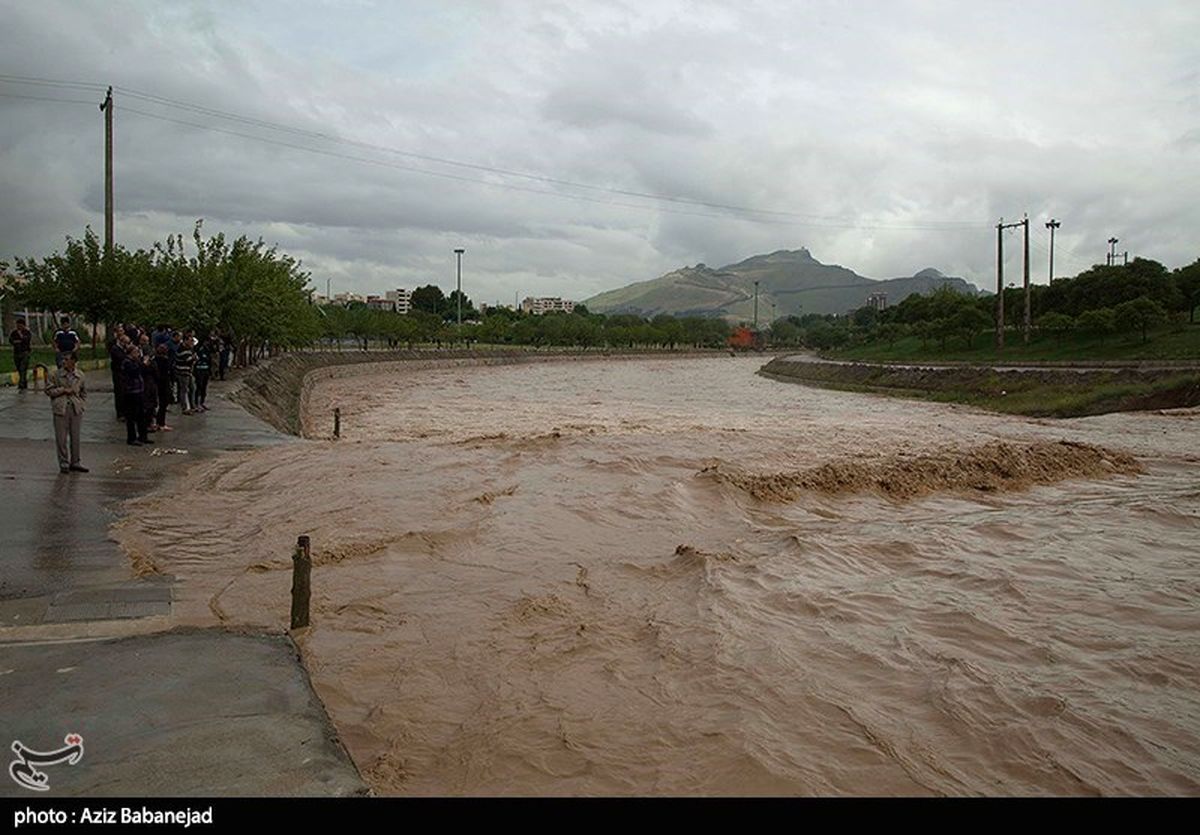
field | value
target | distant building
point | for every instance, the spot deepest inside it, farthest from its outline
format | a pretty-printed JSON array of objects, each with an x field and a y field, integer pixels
[
  {"x": 401, "y": 300},
  {"x": 347, "y": 298},
  {"x": 380, "y": 303},
  {"x": 546, "y": 304},
  {"x": 877, "y": 301}
]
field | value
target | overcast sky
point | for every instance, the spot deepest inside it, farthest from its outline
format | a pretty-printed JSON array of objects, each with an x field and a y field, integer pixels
[{"x": 883, "y": 136}]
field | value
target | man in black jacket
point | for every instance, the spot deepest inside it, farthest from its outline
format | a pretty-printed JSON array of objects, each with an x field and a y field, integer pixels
[
  {"x": 116, "y": 356},
  {"x": 21, "y": 340},
  {"x": 65, "y": 341},
  {"x": 133, "y": 387}
]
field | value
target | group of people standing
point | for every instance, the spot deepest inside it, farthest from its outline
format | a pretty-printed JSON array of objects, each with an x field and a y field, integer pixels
[{"x": 150, "y": 371}]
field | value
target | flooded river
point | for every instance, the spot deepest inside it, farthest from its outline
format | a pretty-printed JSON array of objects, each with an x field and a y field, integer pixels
[{"x": 528, "y": 581}]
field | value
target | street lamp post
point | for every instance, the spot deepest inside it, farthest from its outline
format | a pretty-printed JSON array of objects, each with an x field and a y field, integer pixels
[
  {"x": 1052, "y": 224},
  {"x": 756, "y": 305},
  {"x": 459, "y": 253}
]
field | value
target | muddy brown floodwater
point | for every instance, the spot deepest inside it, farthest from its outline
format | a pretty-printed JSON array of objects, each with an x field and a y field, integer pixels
[{"x": 569, "y": 578}]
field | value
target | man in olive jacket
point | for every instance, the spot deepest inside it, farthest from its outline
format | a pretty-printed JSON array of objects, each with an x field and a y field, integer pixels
[{"x": 67, "y": 394}]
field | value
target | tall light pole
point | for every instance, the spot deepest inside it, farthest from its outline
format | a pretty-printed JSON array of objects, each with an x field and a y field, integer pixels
[
  {"x": 756, "y": 305},
  {"x": 1052, "y": 225},
  {"x": 1112, "y": 251},
  {"x": 459, "y": 253}
]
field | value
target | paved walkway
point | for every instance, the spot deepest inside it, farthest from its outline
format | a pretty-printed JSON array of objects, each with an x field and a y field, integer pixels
[
  {"x": 83, "y": 646},
  {"x": 190, "y": 713},
  {"x": 53, "y": 527}
]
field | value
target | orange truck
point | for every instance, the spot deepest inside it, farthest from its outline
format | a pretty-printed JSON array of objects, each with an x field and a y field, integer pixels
[{"x": 746, "y": 339}]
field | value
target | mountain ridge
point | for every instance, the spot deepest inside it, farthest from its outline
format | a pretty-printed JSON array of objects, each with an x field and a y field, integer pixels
[{"x": 790, "y": 282}]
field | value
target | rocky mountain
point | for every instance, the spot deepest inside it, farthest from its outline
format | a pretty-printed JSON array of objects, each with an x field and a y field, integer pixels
[{"x": 791, "y": 280}]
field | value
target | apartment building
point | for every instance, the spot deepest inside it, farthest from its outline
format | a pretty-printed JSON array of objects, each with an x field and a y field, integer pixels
[{"x": 546, "y": 304}]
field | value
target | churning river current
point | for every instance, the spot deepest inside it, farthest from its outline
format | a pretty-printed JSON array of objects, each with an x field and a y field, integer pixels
[{"x": 667, "y": 577}]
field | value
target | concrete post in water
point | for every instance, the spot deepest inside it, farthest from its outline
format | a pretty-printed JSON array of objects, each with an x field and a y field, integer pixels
[
  {"x": 301, "y": 586},
  {"x": 337, "y": 422}
]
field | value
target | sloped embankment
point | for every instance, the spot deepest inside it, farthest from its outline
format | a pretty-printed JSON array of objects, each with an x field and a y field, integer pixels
[
  {"x": 1041, "y": 392},
  {"x": 277, "y": 390}
]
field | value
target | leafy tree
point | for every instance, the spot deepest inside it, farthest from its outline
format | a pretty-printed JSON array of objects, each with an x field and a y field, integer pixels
[
  {"x": 80, "y": 280},
  {"x": 1187, "y": 281},
  {"x": 785, "y": 332},
  {"x": 970, "y": 321},
  {"x": 1099, "y": 322},
  {"x": 865, "y": 317},
  {"x": 1141, "y": 314},
  {"x": 944, "y": 328},
  {"x": 450, "y": 307},
  {"x": 429, "y": 299},
  {"x": 1057, "y": 324},
  {"x": 889, "y": 332}
]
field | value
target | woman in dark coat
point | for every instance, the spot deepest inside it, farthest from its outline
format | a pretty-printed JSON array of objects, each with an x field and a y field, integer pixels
[
  {"x": 150, "y": 393},
  {"x": 162, "y": 368}
]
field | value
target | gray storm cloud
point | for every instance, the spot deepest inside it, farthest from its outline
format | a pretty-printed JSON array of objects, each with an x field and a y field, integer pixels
[{"x": 867, "y": 128}]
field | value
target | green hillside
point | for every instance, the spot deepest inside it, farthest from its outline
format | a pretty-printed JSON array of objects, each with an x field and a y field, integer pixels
[{"x": 790, "y": 282}]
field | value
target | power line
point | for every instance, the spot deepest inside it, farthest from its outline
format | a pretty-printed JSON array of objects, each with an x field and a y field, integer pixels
[
  {"x": 512, "y": 187},
  {"x": 931, "y": 225},
  {"x": 50, "y": 82},
  {"x": 44, "y": 98},
  {"x": 169, "y": 102}
]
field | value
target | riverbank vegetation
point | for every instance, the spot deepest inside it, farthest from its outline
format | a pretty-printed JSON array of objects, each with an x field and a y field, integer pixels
[
  {"x": 262, "y": 300},
  {"x": 1139, "y": 311}
]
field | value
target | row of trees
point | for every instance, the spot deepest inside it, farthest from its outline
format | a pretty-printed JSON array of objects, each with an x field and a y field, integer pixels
[
  {"x": 244, "y": 289},
  {"x": 259, "y": 297},
  {"x": 501, "y": 326},
  {"x": 1134, "y": 298}
]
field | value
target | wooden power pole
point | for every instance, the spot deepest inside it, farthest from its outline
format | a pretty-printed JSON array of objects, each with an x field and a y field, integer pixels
[
  {"x": 107, "y": 107},
  {"x": 1028, "y": 317},
  {"x": 1000, "y": 285},
  {"x": 1000, "y": 227}
]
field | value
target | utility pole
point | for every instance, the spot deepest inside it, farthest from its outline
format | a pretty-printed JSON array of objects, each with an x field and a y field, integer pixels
[
  {"x": 107, "y": 107},
  {"x": 1112, "y": 251},
  {"x": 1052, "y": 225},
  {"x": 1000, "y": 285},
  {"x": 1028, "y": 294},
  {"x": 459, "y": 253},
  {"x": 756, "y": 305},
  {"x": 1000, "y": 227},
  {"x": 1126, "y": 258}
]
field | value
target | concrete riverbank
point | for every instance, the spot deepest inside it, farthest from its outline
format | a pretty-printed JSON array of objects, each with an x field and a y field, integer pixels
[{"x": 277, "y": 391}]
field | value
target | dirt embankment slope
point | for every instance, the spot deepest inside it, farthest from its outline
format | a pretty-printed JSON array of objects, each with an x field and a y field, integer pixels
[{"x": 1042, "y": 391}]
